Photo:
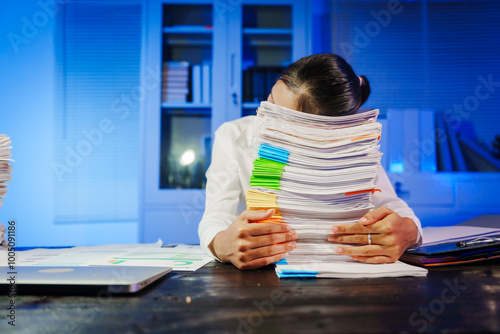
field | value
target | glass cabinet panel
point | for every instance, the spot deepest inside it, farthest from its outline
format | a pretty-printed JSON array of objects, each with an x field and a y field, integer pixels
[
  {"x": 186, "y": 96},
  {"x": 267, "y": 49}
]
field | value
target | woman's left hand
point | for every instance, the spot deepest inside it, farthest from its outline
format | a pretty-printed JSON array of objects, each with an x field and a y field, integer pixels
[{"x": 390, "y": 234}]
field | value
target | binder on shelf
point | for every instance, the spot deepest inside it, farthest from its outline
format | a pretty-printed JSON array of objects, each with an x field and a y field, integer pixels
[
  {"x": 258, "y": 81},
  {"x": 207, "y": 79},
  {"x": 196, "y": 83}
]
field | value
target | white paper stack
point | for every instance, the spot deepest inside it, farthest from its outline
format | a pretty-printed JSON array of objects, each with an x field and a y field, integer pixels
[
  {"x": 5, "y": 171},
  {"x": 175, "y": 79},
  {"x": 5, "y": 167},
  {"x": 316, "y": 171}
]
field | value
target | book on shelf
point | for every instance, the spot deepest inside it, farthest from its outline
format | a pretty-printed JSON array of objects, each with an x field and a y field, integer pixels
[
  {"x": 318, "y": 171},
  {"x": 175, "y": 91},
  {"x": 206, "y": 96},
  {"x": 183, "y": 82},
  {"x": 196, "y": 82}
]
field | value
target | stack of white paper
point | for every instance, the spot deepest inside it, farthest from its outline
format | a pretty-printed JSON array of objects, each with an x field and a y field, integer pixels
[
  {"x": 349, "y": 269},
  {"x": 5, "y": 171},
  {"x": 316, "y": 171}
]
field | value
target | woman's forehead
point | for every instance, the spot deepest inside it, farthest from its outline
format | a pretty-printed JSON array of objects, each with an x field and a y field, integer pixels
[{"x": 283, "y": 96}]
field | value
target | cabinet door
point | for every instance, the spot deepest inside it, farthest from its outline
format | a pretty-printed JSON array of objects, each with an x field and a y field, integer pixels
[
  {"x": 181, "y": 39},
  {"x": 178, "y": 110},
  {"x": 179, "y": 73}
]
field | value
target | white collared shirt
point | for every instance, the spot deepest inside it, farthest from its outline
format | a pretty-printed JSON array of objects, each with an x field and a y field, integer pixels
[{"x": 228, "y": 179}]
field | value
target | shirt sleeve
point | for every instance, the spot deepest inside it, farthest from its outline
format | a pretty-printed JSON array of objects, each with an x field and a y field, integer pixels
[
  {"x": 388, "y": 198},
  {"x": 223, "y": 189}
]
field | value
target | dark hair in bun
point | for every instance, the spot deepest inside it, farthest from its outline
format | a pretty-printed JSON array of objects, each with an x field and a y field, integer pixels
[{"x": 325, "y": 84}]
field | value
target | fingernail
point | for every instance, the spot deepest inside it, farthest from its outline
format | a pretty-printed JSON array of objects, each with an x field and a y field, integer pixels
[
  {"x": 338, "y": 250},
  {"x": 294, "y": 235},
  {"x": 335, "y": 229},
  {"x": 331, "y": 238},
  {"x": 288, "y": 227},
  {"x": 293, "y": 245},
  {"x": 363, "y": 220}
]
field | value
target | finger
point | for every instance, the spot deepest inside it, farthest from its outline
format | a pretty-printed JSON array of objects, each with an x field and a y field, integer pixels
[
  {"x": 267, "y": 228},
  {"x": 354, "y": 239},
  {"x": 261, "y": 262},
  {"x": 375, "y": 215},
  {"x": 374, "y": 259},
  {"x": 371, "y": 250},
  {"x": 256, "y": 215},
  {"x": 271, "y": 239},
  {"x": 267, "y": 251},
  {"x": 351, "y": 229}
]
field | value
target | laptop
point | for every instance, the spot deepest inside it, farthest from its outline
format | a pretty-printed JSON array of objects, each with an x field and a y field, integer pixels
[{"x": 79, "y": 280}]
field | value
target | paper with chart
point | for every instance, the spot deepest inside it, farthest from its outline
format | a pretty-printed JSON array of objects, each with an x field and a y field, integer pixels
[{"x": 180, "y": 258}]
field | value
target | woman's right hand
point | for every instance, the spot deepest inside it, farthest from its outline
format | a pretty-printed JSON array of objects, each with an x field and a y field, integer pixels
[{"x": 248, "y": 244}]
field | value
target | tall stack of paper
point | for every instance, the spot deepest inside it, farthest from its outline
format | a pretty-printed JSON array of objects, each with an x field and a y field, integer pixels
[
  {"x": 316, "y": 171},
  {"x": 175, "y": 79},
  {"x": 5, "y": 167}
]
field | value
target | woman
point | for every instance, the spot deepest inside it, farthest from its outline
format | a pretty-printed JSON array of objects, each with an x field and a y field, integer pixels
[{"x": 320, "y": 84}]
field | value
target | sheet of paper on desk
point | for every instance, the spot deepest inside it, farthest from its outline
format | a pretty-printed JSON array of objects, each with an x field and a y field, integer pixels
[
  {"x": 74, "y": 256},
  {"x": 180, "y": 258}
]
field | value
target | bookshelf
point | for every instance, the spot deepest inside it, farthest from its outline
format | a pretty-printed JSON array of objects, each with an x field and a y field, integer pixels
[{"x": 249, "y": 36}]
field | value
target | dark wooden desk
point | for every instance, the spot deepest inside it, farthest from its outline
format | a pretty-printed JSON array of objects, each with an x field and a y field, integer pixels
[{"x": 461, "y": 299}]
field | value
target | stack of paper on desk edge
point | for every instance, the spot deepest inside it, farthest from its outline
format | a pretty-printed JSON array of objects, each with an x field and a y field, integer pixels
[
  {"x": 317, "y": 171},
  {"x": 5, "y": 167},
  {"x": 435, "y": 235}
]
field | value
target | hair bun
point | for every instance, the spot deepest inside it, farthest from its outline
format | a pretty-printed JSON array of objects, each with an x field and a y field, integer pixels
[{"x": 365, "y": 89}]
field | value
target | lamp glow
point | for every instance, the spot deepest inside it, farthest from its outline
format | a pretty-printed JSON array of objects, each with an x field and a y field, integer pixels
[{"x": 187, "y": 158}]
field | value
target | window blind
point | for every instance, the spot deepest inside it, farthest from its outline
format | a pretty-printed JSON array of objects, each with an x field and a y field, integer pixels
[
  {"x": 429, "y": 55},
  {"x": 97, "y": 139},
  {"x": 464, "y": 50}
]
